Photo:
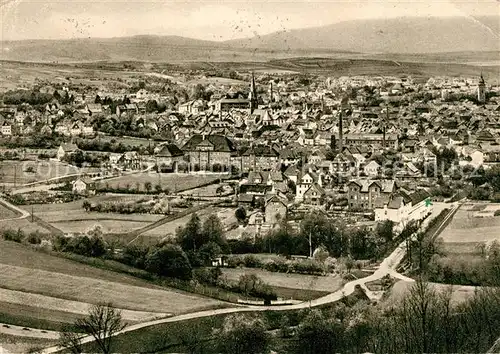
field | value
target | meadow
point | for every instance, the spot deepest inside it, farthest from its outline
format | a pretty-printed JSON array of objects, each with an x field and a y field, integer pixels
[
  {"x": 295, "y": 286},
  {"x": 45, "y": 282},
  {"x": 24, "y": 172},
  {"x": 6, "y": 213},
  {"x": 175, "y": 182},
  {"x": 473, "y": 223}
]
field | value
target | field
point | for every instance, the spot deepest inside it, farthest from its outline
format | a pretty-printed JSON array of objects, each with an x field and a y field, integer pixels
[
  {"x": 71, "y": 217},
  {"x": 15, "y": 344},
  {"x": 460, "y": 293},
  {"x": 17, "y": 171},
  {"x": 473, "y": 223},
  {"x": 24, "y": 225},
  {"x": 50, "y": 283},
  {"x": 297, "y": 286},
  {"x": 173, "y": 181},
  {"x": 6, "y": 213}
]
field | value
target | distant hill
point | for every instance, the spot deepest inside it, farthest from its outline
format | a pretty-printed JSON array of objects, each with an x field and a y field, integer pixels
[
  {"x": 397, "y": 35},
  {"x": 400, "y": 35}
]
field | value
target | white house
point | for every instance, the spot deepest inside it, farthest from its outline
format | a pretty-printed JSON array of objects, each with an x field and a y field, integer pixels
[
  {"x": 82, "y": 186},
  {"x": 372, "y": 168},
  {"x": 403, "y": 207}
]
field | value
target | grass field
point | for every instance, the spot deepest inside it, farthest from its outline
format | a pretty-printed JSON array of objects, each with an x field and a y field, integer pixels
[
  {"x": 72, "y": 218},
  {"x": 15, "y": 344},
  {"x": 51, "y": 283},
  {"x": 460, "y": 293},
  {"x": 6, "y": 213},
  {"x": 24, "y": 225},
  {"x": 293, "y": 281},
  {"x": 174, "y": 182},
  {"x": 473, "y": 223},
  {"x": 17, "y": 171}
]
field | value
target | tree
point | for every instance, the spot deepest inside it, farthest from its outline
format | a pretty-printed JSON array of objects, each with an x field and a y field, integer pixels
[
  {"x": 209, "y": 251},
  {"x": 317, "y": 334},
  {"x": 151, "y": 106},
  {"x": 242, "y": 334},
  {"x": 86, "y": 205},
  {"x": 241, "y": 214},
  {"x": 170, "y": 261},
  {"x": 213, "y": 230},
  {"x": 158, "y": 188},
  {"x": 385, "y": 230},
  {"x": 148, "y": 186},
  {"x": 70, "y": 340},
  {"x": 190, "y": 237},
  {"x": 102, "y": 323},
  {"x": 219, "y": 190}
]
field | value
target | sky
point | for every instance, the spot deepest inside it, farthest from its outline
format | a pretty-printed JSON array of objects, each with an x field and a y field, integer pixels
[{"x": 209, "y": 20}]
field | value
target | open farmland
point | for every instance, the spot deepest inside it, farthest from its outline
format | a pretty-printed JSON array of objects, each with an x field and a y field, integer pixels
[
  {"x": 18, "y": 171},
  {"x": 24, "y": 225},
  {"x": 6, "y": 213},
  {"x": 473, "y": 223},
  {"x": 328, "y": 283},
  {"x": 173, "y": 181},
  {"x": 72, "y": 218},
  {"x": 460, "y": 293},
  {"x": 51, "y": 283}
]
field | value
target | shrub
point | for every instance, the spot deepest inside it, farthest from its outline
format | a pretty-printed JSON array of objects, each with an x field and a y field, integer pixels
[
  {"x": 235, "y": 262},
  {"x": 169, "y": 260},
  {"x": 251, "y": 261},
  {"x": 15, "y": 236},
  {"x": 34, "y": 238},
  {"x": 307, "y": 266},
  {"x": 277, "y": 265}
]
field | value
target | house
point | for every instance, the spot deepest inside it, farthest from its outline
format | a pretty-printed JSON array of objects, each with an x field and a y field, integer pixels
[
  {"x": 6, "y": 128},
  {"x": 362, "y": 193},
  {"x": 169, "y": 157},
  {"x": 259, "y": 158},
  {"x": 66, "y": 149},
  {"x": 209, "y": 152},
  {"x": 372, "y": 169},
  {"x": 130, "y": 160},
  {"x": 403, "y": 207},
  {"x": 275, "y": 210},
  {"x": 83, "y": 186},
  {"x": 130, "y": 108},
  {"x": 314, "y": 195},
  {"x": 304, "y": 183}
]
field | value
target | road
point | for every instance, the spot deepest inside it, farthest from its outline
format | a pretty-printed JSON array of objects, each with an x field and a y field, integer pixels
[{"x": 387, "y": 267}]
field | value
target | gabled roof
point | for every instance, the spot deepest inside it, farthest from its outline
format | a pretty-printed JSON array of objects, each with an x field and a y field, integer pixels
[
  {"x": 219, "y": 142},
  {"x": 170, "y": 150}
]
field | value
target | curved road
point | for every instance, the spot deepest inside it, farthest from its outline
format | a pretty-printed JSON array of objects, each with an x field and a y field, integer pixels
[{"x": 387, "y": 267}]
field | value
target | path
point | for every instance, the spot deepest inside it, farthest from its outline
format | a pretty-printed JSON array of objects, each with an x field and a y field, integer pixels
[{"x": 387, "y": 267}]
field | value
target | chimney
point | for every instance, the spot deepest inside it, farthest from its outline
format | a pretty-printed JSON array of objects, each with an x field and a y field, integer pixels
[{"x": 341, "y": 133}]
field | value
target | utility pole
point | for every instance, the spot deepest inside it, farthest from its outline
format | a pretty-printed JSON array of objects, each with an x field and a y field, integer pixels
[{"x": 310, "y": 244}]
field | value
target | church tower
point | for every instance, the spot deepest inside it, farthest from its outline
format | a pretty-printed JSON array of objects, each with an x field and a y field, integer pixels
[
  {"x": 252, "y": 97},
  {"x": 481, "y": 90}
]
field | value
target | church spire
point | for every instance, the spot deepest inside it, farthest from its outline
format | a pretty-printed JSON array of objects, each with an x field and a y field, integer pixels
[{"x": 253, "y": 95}]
